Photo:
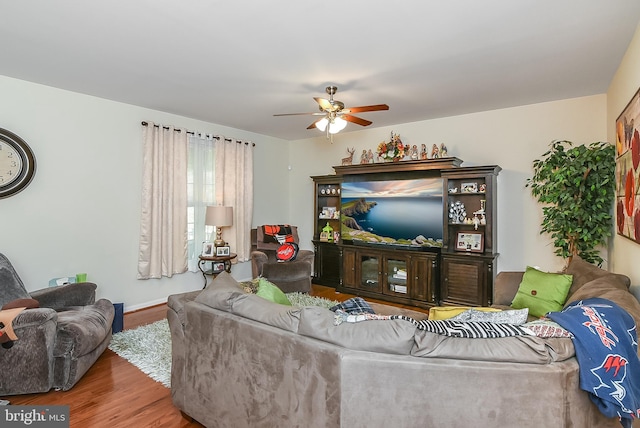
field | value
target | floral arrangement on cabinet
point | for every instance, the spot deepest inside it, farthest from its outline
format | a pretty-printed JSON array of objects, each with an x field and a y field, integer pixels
[{"x": 392, "y": 150}]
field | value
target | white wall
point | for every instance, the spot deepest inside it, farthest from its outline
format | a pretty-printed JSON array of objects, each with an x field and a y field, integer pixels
[
  {"x": 511, "y": 138},
  {"x": 626, "y": 253},
  {"x": 81, "y": 212}
]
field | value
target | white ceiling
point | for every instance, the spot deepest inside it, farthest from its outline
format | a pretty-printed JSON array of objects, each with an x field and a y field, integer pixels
[{"x": 236, "y": 63}]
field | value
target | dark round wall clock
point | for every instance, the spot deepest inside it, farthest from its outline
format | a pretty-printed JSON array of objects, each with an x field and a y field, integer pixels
[{"x": 17, "y": 164}]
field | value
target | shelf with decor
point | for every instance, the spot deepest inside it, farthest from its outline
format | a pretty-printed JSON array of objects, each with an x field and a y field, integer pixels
[
  {"x": 469, "y": 248},
  {"x": 326, "y": 229},
  {"x": 470, "y": 208}
]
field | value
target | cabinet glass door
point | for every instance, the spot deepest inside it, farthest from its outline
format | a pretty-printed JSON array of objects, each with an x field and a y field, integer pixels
[
  {"x": 396, "y": 277},
  {"x": 370, "y": 273}
]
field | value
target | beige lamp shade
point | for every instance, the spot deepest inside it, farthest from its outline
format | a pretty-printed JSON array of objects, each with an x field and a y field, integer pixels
[{"x": 219, "y": 217}]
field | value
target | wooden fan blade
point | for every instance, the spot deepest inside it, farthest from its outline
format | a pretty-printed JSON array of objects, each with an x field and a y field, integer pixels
[
  {"x": 301, "y": 114},
  {"x": 376, "y": 107},
  {"x": 356, "y": 120},
  {"x": 313, "y": 125},
  {"x": 324, "y": 104}
]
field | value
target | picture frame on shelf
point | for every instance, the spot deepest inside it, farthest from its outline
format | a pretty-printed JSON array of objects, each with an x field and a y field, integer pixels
[
  {"x": 470, "y": 242},
  {"x": 469, "y": 187},
  {"x": 223, "y": 251},
  {"x": 328, "y": 212},
  {"x": 208, "y": 250},
  {"x": 217, "y": 267}
]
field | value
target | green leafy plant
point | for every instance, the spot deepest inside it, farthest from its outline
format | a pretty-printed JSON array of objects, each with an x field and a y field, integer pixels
[{"x": 576, "y": 186}]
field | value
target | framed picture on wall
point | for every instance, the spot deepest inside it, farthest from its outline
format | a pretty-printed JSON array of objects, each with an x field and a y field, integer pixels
[
  {"x": 628, "y": 170},
  {"x": 470, "y": 241}
]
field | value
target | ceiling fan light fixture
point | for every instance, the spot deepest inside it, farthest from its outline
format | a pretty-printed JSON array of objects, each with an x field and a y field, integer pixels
[
  {"x": 322, "y": 124},
  {"x": 337, "y": 125}
]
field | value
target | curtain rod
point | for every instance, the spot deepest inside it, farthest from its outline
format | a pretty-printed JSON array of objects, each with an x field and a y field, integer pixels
[{"x": 194, "y": 133}]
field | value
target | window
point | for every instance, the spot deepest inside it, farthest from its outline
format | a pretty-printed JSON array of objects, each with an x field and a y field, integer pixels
[{"x": 200, "y": 193}]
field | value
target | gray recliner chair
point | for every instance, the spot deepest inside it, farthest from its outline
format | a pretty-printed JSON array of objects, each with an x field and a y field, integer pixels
[
  {"x": 57, "y": 341},
  {"x": 288, "y": 276}
]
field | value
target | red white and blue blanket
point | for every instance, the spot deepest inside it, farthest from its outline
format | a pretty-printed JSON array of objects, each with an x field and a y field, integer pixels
[{"x": 606, "y": 342}]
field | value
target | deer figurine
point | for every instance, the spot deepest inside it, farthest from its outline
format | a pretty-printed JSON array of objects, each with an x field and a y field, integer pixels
[{"x": 349, "y": 159}]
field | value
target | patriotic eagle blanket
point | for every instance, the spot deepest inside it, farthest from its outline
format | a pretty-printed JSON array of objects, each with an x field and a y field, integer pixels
[{"x": 606, "y": 342}]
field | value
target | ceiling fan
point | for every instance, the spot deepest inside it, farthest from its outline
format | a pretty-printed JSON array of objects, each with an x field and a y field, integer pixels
[{"x": 334, "y": 115}]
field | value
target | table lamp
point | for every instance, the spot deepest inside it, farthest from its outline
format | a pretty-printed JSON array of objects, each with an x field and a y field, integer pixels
[{"x": 219, "y": 217}]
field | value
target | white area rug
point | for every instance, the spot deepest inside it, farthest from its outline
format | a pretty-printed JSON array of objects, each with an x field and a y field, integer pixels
[{"x": 147, "y": 347}]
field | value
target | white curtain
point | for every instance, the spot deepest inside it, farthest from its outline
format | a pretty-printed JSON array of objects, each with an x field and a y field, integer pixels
[
  {"x": 201, "y": 187},
  {"x": 163, "y": 225},
  {"x": 234, "y": 188}
]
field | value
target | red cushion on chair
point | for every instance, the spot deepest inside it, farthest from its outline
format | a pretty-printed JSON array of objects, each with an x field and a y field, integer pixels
[
  {"x": 263, "y": 244},
  {"x": 287, "y": 252}
]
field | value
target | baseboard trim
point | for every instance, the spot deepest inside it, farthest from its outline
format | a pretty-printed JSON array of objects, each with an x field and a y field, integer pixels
[{"x": 145, "y": 305}]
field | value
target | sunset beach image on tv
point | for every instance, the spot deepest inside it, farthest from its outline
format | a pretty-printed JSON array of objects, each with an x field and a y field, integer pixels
[{"x": 401, "y": 212}]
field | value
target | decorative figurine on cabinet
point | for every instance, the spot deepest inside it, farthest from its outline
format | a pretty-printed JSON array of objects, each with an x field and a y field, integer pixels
[
  {"x": 370, "y": 156},
  {"x": 423, "y": 152},
  {"x": 363, "y": 157},
  {"x": 443, "y": 151},
  {"x": 434, "y": 152},
  {"x": 349, "y": 159},
  {"x": 457, "y": 212},
  {"x": 414, "y": 152}
]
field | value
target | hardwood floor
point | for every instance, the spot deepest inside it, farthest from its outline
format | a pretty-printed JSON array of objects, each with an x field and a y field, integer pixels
[{"x": 116, "y": 394}]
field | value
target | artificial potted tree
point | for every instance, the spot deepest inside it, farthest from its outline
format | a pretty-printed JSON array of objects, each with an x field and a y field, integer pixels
[{"x": 576, "y": 186}]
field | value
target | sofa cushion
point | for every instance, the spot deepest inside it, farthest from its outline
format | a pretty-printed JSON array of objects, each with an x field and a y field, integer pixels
[
  {"x": 221, "y": 292},
  {"x": 544, "y": 327},
  {"x": 517, "y": 349},
  {"x": 514, "y": 316},
  {"x": 445, "y": 312},
  {"x": 12, "y": 286},
  {"x": 287, "y": 252},
  {"x": 81, "y": 329},
  {"x": 259, "y": 309},
  {"x": 269, "y": 291},
  {"x": 386, "y": 336},
  {"x": 584, "y": 272},
  {"x": 542, "y": 292}
]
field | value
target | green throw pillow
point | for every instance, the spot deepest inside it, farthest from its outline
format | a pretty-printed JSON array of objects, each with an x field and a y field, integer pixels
[
  {"x": 542, "y": 292},
  {"x": 270, "y": 291}
]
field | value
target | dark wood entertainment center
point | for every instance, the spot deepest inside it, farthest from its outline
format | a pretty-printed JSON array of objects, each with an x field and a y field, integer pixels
[{"x": 461, "y": 272}]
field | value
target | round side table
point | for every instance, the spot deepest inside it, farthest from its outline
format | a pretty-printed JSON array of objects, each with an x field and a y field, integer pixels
[{"x": 218, "y": 265}]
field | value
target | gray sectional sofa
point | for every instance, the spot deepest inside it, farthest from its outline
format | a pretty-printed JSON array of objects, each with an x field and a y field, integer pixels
[{"x": 242, "y": 361}]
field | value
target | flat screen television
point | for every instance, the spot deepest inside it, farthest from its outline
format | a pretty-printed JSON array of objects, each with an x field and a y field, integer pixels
[{"x": 405, "y": 212}]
